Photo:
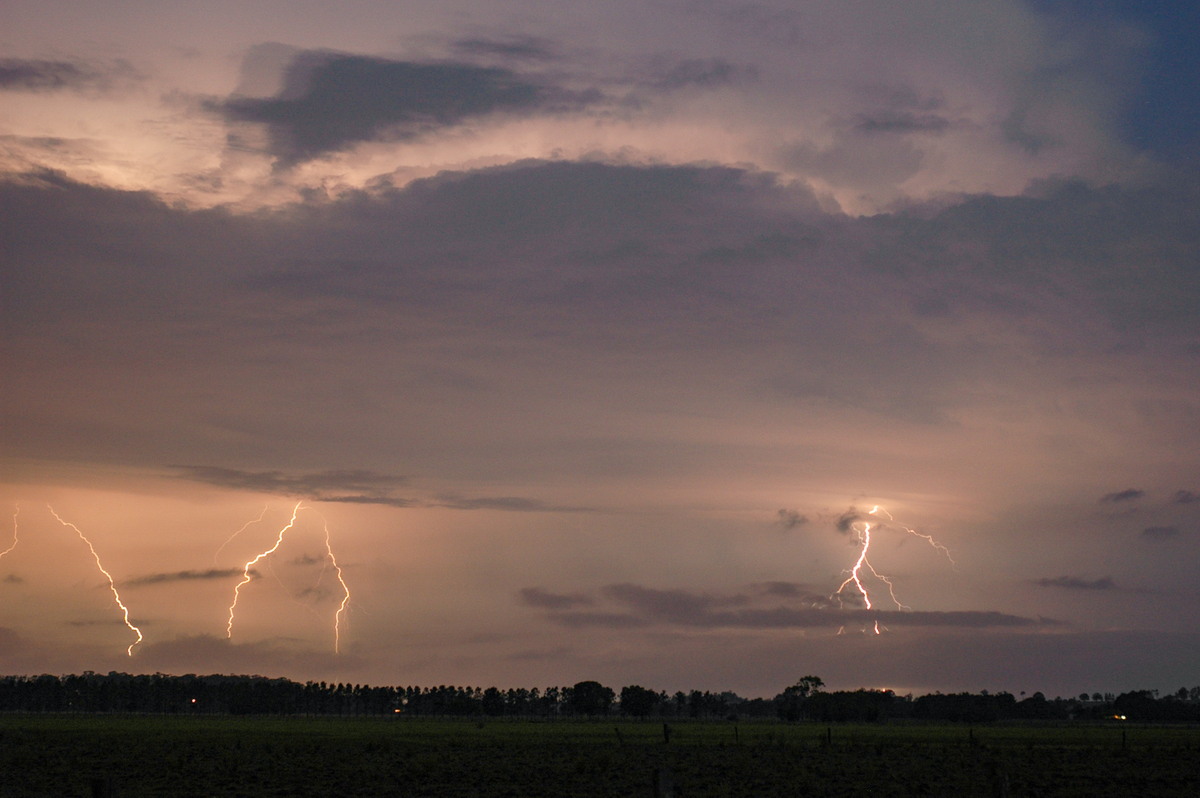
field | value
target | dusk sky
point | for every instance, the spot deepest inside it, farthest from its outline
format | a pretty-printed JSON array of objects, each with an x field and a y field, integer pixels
[{"x": 591, "y": 334}]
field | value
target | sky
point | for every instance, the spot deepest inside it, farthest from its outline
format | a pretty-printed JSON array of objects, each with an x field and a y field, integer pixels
[{"x": 522, "y": 344}]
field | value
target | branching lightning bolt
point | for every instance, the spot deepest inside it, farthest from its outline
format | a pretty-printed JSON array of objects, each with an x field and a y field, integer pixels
[
  {"x": 337, "y": 618},
  {"x": 245, "y": 526},
  {"x": 111, "y": 584},
  {"x": 16, "y": 512},
  {"x": 855, "y": 577},
  {"x": 330, "y": 560},
  {"x": 251, "y": 563}
]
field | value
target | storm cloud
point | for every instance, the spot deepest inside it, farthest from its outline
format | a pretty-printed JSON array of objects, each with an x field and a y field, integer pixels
[{"x": 331, "y": 101}]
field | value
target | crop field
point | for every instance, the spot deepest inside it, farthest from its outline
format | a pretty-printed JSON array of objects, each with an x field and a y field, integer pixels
[{"x": 122, "y": 756}]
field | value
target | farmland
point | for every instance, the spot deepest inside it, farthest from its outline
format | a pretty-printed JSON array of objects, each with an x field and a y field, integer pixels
[{"x": 62, "y": 755}]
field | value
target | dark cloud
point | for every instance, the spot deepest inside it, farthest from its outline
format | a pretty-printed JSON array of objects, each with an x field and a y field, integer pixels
[
  {"x": 900, "y": 122},
  {"x": 509, "y": 503},
  {"x": 515, "y": 48},
  {"x": 20, "y": 74},
  {"x": 184, "y": 576},
  {"x": 792, "y": 590},
  {"x": 790, "y": 519},
  {"x": 562, "y": 267},
  {"x": 385, "y": 501},
  {"x": 1076, "y": 583},
  {"x": 647, "y": 606},
  {"x": 677, "y": 606},
  {"x": 355, "y": 486},
  {"x": 1185, "y": 497},
  {"x": 702, "y": 72},
  {"x": 787, "y": 618},
  {"x": 331, "y": 101},
  {"x": 606, "y": 620},
  {"x": 845, "y": 521},
  {"x": 537, "y": 597},
  {"x": 1160, "y": 532},
  {"x": 13, "y": 579},
  {"x": 341, "y": 486},
  {"x": 1127, "y": 495}
]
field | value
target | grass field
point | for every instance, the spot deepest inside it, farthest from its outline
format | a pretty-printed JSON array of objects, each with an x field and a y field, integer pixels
[{"x": 195, "y": 756}]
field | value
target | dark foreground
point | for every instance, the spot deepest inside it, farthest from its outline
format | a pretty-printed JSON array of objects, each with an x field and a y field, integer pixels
[{"x": 180, "y": 756}]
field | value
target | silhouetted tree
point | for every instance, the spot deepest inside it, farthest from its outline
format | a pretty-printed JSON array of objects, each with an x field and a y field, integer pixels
[{"x": 591, "y": 698}]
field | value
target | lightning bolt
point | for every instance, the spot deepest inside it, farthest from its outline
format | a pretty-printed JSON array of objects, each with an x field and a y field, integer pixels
[
  {"x": 16, "y": 512},
  {"x": 876, "y": 510},
  {"x": 245, "y": 526},
  {"x": 251, "y": 563},
  {"x": 331, "y": 559},
  {"x": 856, "y": 576},
  {"x": 337, "y": 618},
  {"x": 111, "y": 584}
]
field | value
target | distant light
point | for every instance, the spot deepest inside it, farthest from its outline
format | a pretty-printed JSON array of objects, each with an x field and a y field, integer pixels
[{"x": 193, "y": 700}]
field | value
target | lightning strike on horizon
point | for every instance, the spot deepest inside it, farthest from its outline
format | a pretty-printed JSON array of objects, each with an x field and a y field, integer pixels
[
  {"x": 251, "y": 563},
  {"x": 16, "y": 512},
  {"x": 330, "y": 559},
  {"x": 337, "y": 618},
  {"x": 855, "y": 577},
  {"x": 111, "y": 584},
  {"x": 245, "y": 526}
]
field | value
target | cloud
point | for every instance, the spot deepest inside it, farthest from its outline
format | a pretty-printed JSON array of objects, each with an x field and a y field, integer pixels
[
  {"x": 509, "y": 503},
  {"x": 355, "y": 486},
  {"x": 790, "y": 519},
  {"x": 513, "y": 48},
  {"x": 1127, "y": 495},
  {"x": 332, "y": 101},
  {"x": 13, "y": 579},
  {"x": 537, "y": 597},
  {"x": 605, "y": 620},
  {"x": 1076, "y": 583},
  {"x": 291, "y": 484},
  {"x": 20, "y": 74},
  {"x": 650, "y": 606},
  {"x": 702, "y": 72},
  {"x": 543, "y": 289},
  {"x": 184, "y": 576},
  {"x": 900, "y": 122},
  {"x": 792, "y": 590},
  {"x": 1185, "y": 497},
  {"x": 845, "y": 521},
  {"x": 1158, "y": 533}
]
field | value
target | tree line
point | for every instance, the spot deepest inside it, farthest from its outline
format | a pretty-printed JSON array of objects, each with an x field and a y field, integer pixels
[{"x": 805, "y": 700}]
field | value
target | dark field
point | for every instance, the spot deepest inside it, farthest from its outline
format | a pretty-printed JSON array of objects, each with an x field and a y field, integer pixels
[{"x": 169, "y": 756}]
